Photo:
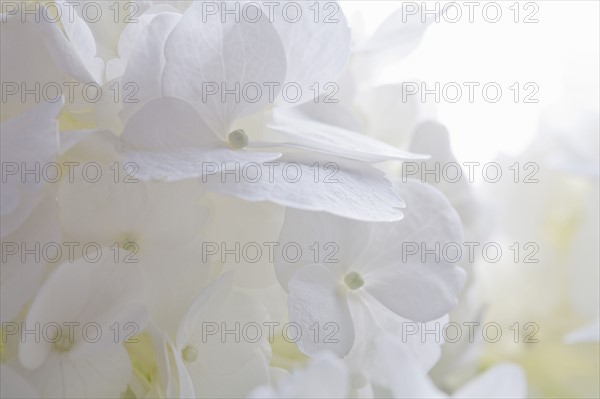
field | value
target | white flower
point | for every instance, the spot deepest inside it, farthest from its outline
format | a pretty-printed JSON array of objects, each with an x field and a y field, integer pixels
[
  {"x": 159, "y": 222},
  {"x": 131, "y": 35},
  {"x": 175, "y": 139},
  {"x": 72, "y": 359},
  {"x": 371, "y": 266},
  {"x": 221, "y": 358}
]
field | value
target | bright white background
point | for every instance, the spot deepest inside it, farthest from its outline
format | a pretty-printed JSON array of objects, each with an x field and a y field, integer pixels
[{"x": 561, "y": 49}]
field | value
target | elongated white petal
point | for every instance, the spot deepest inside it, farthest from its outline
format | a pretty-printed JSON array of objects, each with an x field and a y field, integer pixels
[
  {"x": 317, "y": 45},
  {"x": 412, "y": 285},
  {"x": 74, "y": 51},
  {"x": 210, "y": 352},
  {"x": 334, "y": 140},
  {"x": 29, "y": 141},
  {"x": 142, "y": 78},
  {"x": 212, "y": 295},
  {"x": 135, "y": 39},
  {"x": 396, "y": 37},
  {"x": 336, "y": 186},
  {"x": 323, "y": 238},
  {"x": 390, "y": 365},
  {"x": 334, "y": 114},
  {"x": 205, "y": 51},
  {"x": 316, "y": 298},
  {"x": 166, "y": 124},
  {"x": 193, "y": 162}
]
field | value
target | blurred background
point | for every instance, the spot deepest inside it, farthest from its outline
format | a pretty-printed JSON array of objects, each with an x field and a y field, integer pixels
[{"x": 544, "y": 291}]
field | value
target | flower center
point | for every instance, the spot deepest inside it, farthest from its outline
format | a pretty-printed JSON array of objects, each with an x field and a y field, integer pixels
[
  {"x": 238, "y": 139},
  {"x": 354, "y": 280},
  {"x": 128, "y": 243},
  {"x": 189, "y": 353},
  {"x": 63, "y": 342}
]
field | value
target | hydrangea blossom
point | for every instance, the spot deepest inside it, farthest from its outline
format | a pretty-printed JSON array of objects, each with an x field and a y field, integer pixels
[{"x": 165, "y": 295}]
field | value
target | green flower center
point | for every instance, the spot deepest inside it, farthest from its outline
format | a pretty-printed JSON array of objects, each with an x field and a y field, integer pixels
[
  {"x": 63, "y": 342},
  {"x": 189, "y": 353},
  {"x": 354, "y": 280},
  {"x": 238, "y": 139}
]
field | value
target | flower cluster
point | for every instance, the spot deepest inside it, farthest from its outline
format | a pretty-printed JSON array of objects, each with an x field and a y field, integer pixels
[{"x": 195, "y": 204}]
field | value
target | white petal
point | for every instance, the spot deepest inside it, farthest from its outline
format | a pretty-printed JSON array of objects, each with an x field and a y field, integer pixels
[
  {"x": 29, "y": 141},
  {"x": 237, "y": 221},
  {"x": 217, "y": 292},
  {"x": 390, "y": 114},
  {"x": 74, "y": 51},
  {"x": 329, "y": 240},
  {"x": 83, "y": 292},
  {"x": 34, "y": 63},
  {"x": 433, "y": 138},
  {"x": 167, "y": 124},
  {"x": 103, "y": 375},
  {"x": 146, "y": 63},
  {"x": 168, "y": 140},
  {"x": 315, "y": 297},
  {"x": 340, "y": 187},
  {"x": 334, "y": 140},
  {"x": 130, "y": 39},
  {"x": 193, "y": 162},
  {"x": 230, "y": 53},
  {"x": 230, "y": 357},
  {"x": 317, "y": 52},
  {"x": 221, "y": 353},
  {"x": 396, "y": 37},
  {"x": 102, "y": 211},
  {"x": 19, "y": 280},
  {"x": 390, "y": 365},
  {"x": 335, "y": 114},
  {"x": 325, "y": 376},
  {"x": 185, "y": 384},
  {"x": 424, "y": 351},
  {"x": 410, "y": 287},
  {"x": 157, "y": 216},
  {"x": 233, "y": 385}
]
